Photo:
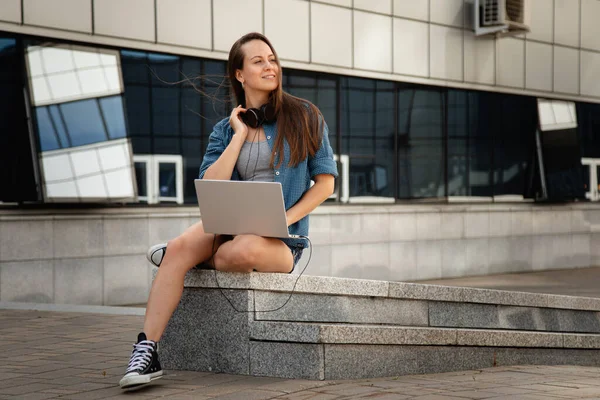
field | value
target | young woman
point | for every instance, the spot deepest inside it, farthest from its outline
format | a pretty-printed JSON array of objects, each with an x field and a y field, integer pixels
[{"x": 269, "y": 136}]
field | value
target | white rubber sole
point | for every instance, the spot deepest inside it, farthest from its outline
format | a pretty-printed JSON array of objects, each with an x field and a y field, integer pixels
[
  {"x": 135, "y": 380},
  {"x": 156, "y": 253}
]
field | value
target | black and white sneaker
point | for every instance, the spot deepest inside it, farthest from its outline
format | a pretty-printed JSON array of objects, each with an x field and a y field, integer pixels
[
  {"x": 156, "y": 254},
  {"x": 143, "y": 365}
]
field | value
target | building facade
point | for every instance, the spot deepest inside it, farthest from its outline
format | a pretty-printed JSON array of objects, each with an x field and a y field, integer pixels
[{"x": 107, "y": 107}]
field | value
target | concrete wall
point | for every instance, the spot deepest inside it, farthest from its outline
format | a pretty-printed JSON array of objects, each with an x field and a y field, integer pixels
[
  {"x": 98, "y": 256},
  {"x": 423, "y": 41}
]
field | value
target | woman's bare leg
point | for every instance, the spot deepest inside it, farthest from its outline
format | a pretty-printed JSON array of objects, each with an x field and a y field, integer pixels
[
  {"x": 184, "y": 253},
  {"x": 246, "y": 253}
]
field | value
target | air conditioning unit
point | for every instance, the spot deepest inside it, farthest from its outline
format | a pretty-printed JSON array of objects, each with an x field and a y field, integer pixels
[{"x": 501, "y": 17}]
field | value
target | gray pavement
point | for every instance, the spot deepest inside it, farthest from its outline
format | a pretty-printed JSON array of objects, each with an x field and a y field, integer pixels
[
  {"x": 569, "y": 282},
  {"x": 75, "y": 355}
]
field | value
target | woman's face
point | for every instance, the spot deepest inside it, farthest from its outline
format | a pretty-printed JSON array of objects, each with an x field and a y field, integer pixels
[{"x": 260, "y": 71}]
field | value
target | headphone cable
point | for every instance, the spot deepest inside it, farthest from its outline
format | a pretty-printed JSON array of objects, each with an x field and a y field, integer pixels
[{"x": 264, "y": 311}]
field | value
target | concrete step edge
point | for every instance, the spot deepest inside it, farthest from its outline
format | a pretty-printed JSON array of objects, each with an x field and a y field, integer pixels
[{"x": 327, "y": 333}]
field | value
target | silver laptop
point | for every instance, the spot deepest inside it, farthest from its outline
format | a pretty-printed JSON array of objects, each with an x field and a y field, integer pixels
[{"x": 242, "y": 207}]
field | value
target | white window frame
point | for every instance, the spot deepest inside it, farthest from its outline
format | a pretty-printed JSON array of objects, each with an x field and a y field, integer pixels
[
  {"x": 592, "y": 164},
  {"x": 153, "y": 162}
]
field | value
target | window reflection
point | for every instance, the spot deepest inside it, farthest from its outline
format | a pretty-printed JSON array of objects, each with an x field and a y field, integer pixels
[
  {"x": 80, "y": 123},
  {"x": 421, "y": 152},
  {"x": 76, "y": 94},
  {"x": 367, "y": 116},
  {"x": 172, "y": 104}
]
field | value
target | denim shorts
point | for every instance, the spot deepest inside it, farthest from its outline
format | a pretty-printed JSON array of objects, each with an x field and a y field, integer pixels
[{"x": 297, "y": 254}]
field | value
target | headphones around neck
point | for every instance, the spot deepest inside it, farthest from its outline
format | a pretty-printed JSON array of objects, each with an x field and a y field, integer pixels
[{"x": 255, "y": 117}]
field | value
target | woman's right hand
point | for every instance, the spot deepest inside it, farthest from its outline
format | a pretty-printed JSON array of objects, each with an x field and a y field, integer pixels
[{"x": 235, "y": 120}]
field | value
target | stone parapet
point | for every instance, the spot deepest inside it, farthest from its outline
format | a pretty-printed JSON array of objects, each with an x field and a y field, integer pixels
[{"x": 336, "y": 328}]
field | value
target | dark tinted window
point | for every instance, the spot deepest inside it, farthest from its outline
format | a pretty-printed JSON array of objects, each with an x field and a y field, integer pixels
[{"x": 421, "y": 152}]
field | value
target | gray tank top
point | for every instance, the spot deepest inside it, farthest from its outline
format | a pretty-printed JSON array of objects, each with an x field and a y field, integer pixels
[{"x": 253, "y": 163}]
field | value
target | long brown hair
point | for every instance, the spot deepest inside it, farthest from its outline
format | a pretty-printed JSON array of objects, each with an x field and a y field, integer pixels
[{"x": 299, "y": 121}]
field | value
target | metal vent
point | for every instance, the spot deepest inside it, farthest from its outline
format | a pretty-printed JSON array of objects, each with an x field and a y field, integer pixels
[
  {"x": 501, "y": 17},
  {"x": 514, "y": 11},
  {"x": 491, "y": 12}
]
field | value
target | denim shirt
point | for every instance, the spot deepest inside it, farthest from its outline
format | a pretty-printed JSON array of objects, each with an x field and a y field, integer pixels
[{"x": 295, "y": 181}]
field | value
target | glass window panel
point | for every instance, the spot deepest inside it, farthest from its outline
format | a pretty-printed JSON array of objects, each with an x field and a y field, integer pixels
[
  {"x": 137, "y": 99},
  {"x": 421, "y": 169},
  {"x": 588, "y": 117},
  {"x": 114, "y": 156},
  {"x": 64, "y": 87},
  {"x": 469, "y": 167},
  {"x": 368, "y": 177},
  {"x": 512, "y": 121},
  {"x": 93, "y": 82},
  {"x": 368, "y": 136},
  {"x": 165, "y": 106},
  {"x": 62, "y": 190},
  {"x": 191, "y": 114},
  {"x": 167, "y": 179},
  {"x": 167, "y": 145},
  {"x": 141, "y": 144},
  {"x": 190, "y": 68},
  {"x": 213, "y": 108},
  {"x": 85, "y": 59},
  {"x": 59, "y": 126},
  {"x": 47, "y": 133},
  {"x": 56, "y": 60},
  {"x": 91, "y": 186},
  {"x": 40, "y": 91},
  {"x": 135, "y": 67},
  {"x": 327, "y": 81},
  {"x": 384, "y": 115},
  {"x": 119, "y": 183},
  {"x": 8, "y": 71},
  {"x": 300, "y": 79},
  {"x": 140, "y": 178},
  {"x": 423, "y": 113},
  {"x": 57, "y": 167},
  {"x": 214, "y": 69},
  {"x": 85, "y": 162},
  {"x": 305, "y": 93},
  {"x": 84, "y": 124},
  {"x": 458, "y": 113},
  {"x": 192, "y": 150},
  {"x": 189, "y": 190},
  {"x": 165, "y": 69},
  {"x": 113, "y": 80},
  {"x": 112, "y": 110}
]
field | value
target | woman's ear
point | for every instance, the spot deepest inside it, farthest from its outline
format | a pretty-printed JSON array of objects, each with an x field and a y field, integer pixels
[{"x": 239, "y": 77}]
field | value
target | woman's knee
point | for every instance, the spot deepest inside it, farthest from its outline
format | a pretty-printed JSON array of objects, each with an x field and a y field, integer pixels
[
  {"x": 236, "y": 256},
  {"x": 176, "y": 245}
]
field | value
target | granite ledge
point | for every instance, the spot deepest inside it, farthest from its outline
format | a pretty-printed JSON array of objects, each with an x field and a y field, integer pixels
[
  {"x": 350, "y": 334},
  {"x": 285, "y": 283},
  {"x": 418, "y": 291},
  {"x": 327, "y": 285},
  {"x": 581, "y": 341},
  {"x": 316, "y": 333}
]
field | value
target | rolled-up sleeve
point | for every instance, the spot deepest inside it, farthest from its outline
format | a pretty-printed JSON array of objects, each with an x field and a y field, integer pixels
[
  {"x": 323, "y": 162},
  {"x": 216, "y": 147}
]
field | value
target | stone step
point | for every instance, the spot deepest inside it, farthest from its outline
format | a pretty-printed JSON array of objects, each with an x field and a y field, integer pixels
[
  {"x": 332, "y": 328},
  {"x": 308, "y": 307},
  {"x": 407, "y": 335}
]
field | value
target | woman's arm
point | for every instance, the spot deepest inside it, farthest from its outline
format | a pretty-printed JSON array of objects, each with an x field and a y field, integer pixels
[
  {"x": 318, "y": 193},
  {"x": 223, "y": 167}
]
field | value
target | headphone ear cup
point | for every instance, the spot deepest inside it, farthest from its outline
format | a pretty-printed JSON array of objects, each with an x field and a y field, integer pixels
[
  {"x": 268, "y": 112},
  {"x": 252, "y": 118}
]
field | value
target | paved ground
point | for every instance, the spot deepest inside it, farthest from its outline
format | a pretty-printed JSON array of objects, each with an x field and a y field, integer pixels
[
  {"x": 67, "y": 355},
  {"x": 571, "y": 282}
]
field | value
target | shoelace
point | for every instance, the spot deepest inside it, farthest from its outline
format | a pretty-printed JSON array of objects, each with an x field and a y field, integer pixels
[{"x": 141, "y": 356}]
